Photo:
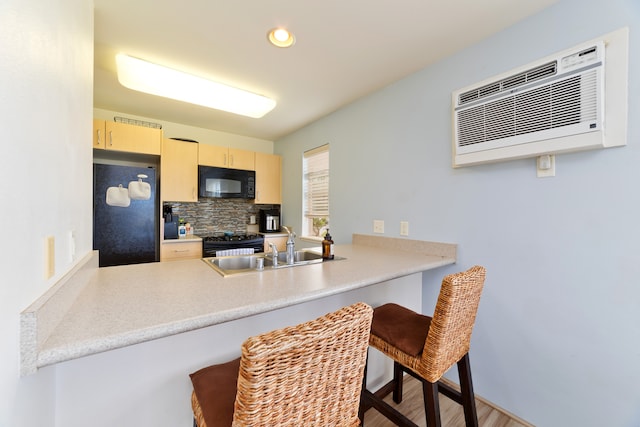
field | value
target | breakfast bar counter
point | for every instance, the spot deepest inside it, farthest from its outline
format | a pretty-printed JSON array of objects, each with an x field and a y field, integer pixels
[{"x": 100, "y": 309}]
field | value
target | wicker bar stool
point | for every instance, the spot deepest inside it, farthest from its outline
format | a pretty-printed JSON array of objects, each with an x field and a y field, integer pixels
[
  {"x": 426, "y": 347},
  {"x": 305, "y": 375}
]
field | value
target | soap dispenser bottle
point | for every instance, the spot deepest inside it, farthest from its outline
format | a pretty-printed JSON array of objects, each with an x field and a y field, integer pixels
[{"x": 327, "y": 246}]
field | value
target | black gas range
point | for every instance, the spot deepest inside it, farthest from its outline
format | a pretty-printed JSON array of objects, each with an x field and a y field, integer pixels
[{"x": 215, "y": 243}]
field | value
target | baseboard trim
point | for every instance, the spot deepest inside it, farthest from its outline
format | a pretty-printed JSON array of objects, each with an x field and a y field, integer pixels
[{"x": 491, "y": 404}]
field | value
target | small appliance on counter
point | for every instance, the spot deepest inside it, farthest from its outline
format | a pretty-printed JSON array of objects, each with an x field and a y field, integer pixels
[
  {"x": 269, "y": 220},
  {"x": 170, "y": 223}
]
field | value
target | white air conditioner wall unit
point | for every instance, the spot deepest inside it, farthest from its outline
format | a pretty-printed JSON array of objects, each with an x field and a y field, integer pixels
[{"x": 573, "y": 100}]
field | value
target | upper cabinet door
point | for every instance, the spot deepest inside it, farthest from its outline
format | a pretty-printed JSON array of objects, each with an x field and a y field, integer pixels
[
  {"x": 242, "y": 159},
  {"x": 179, "y": 171},
  {"x": 98, "y": 134},
  {"x": 125, "y": 137},
  {"x": 268, "y": 179},
  {"x": 132, "y": 138},
  {"x": 211, "y": 155},
  {"x": 224, "y": 157}
]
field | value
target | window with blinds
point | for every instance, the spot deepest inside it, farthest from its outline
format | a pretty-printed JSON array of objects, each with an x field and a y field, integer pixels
[{"x": 315, "y": 187}]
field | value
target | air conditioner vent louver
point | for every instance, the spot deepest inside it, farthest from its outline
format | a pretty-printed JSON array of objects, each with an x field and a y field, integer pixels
[
  {"x": 511, "y": 82},
  {"x": 562, "y": 103},
  {"x": 555, "y": 105}
]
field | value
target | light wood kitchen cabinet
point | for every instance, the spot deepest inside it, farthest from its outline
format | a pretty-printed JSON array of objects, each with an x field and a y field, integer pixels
[
  {"x": 268, "y": 179},
  {"x": 178, "y": 249},
  {"x": 279, "y": 240},
  {"x": 98, "y": 134},
  {"x": 225, "y": 157},
  {"x": 114, "y": 136},
  {"x": 179, "y": 171}
]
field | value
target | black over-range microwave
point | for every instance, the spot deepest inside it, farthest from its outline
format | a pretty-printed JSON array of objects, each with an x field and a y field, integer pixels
[{"x": 226, "y": 183}]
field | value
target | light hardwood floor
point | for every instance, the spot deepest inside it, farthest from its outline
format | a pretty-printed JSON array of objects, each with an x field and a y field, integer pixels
[{"x": 451, "y": 413}]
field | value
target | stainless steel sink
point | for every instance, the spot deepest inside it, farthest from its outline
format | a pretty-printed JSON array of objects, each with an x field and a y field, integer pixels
[
  {"x": 236, "y": 264},
  {"x": 228, "y": 265},
  {"x": 242, "y": 262}
]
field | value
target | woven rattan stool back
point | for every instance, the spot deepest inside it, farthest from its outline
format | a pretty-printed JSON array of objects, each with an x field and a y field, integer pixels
[
  {"x": 426, "y": 347},
  {"x": 449, "y": 335},
  {"x": 305, "y": 375}
]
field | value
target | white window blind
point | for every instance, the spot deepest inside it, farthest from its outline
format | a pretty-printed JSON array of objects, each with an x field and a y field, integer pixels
[{"x": 315, "y": 170}]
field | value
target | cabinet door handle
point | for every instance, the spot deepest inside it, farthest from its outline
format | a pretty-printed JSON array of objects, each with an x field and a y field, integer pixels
[
  {"x": 230, "y": 159},
  {"x": 111, "y": 138},
  {"x": 225, "y": 160},
  {"x": 99, "y": 137},
  {"x": 181, "y": 250},
  {"x": 193, "y": 192}
]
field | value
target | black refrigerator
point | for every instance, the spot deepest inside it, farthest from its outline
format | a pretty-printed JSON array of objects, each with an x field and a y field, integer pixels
[{"x": 125, "y": 210}]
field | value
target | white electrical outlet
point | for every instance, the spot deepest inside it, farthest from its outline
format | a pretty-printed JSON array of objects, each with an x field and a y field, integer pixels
[
  {"x": 404, "y": 228},
  {"x": 378, "y": 226},
  {"x": 546, "y": 165}
]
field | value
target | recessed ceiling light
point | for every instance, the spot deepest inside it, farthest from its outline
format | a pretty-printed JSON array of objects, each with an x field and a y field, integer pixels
[
  {"x": 281, "y": 37},
  {"x": 154, "y": 79}
]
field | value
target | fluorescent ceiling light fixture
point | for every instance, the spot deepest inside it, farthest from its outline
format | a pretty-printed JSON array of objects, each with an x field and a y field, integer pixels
[
  {"x": 281, "y": 37},
  {"x": 154, "y": 79}
]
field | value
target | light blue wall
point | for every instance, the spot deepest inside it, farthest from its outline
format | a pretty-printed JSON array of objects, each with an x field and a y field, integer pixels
[{"x": 557, "y": 339}]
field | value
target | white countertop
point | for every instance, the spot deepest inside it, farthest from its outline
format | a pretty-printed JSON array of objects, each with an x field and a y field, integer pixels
[{"x": 125, "y": 305}]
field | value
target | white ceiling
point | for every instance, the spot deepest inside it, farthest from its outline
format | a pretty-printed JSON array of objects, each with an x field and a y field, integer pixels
[{"x": 345, "y": 49}]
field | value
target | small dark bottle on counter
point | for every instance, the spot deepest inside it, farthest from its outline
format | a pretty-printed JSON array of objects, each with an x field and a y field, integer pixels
[{"x": 327, "y": 246}]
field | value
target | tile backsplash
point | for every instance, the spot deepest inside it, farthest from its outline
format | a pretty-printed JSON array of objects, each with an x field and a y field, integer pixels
[{"x": 215, "y": 216}]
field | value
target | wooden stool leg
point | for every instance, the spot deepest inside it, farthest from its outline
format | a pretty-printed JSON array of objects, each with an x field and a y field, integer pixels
[
  {"x": 398, "y": 379},
  {"x": 363, "y": 408},
  {"x": 466, "y": 389},
  {"x": 431, "y": 403}
]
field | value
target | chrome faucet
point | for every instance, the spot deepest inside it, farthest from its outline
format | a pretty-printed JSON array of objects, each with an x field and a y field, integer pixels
[
  {"x": 290, "y": 245},
  {"x": 274, "y": 254}
]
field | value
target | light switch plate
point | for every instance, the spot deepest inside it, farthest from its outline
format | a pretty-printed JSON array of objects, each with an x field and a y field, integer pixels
[
  {"x": 49, "y": 257},
  {"x": 378, "y": 226},
  {"x": 404, "y": 228}
]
